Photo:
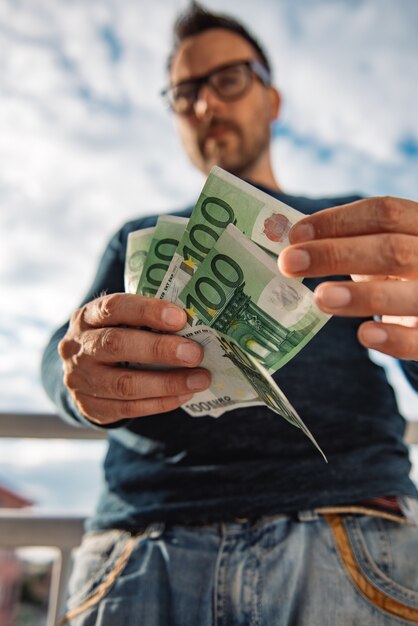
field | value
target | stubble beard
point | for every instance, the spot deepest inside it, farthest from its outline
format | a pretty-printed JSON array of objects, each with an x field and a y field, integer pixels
[
  {"x": 235, "y": 152},
  {"x": 238, "y": 159}
]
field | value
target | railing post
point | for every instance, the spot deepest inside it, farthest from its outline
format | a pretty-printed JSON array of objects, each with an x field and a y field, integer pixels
[
  {"x": 19, "y": 528},
  {"x": 58, "y": 590}
]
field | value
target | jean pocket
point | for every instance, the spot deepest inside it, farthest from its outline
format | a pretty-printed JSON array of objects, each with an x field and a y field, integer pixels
[
  {"x": 380, "y": 556},
  {"x": 98, "y": 562}
]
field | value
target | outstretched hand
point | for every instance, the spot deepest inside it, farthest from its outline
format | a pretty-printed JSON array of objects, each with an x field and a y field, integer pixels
[
  {"x": 115, "y": 329},
  {"x": 376, "y": 242}
]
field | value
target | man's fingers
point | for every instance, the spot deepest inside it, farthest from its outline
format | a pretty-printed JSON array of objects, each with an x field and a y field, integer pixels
[
  {"x": 397, "y": 341},
  {"x": 366, "y": 299},
  {"x": 104, "y": 411},
  {"x": 129, "y": 384},
  {"x": 369, "y": 216},
  {"x": 123, "y": 309},
  {"x": 111, "y": 345},
  {"x": 388, "y": 298},
  {"x": 386, "y": 254}
]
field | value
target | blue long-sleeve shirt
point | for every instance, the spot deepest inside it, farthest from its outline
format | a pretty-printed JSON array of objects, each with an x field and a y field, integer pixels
[{"x": 250, "y": 462}]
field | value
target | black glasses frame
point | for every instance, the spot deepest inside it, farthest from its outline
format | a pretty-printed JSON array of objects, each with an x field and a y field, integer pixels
[{"x": 257, "y": 69}]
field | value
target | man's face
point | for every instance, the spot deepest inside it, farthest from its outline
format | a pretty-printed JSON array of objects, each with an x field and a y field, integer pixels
[{"x": 234, "y": 135}]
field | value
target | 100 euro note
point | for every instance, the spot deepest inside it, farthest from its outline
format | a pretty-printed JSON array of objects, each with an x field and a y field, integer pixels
[
  {"x": 167, "y": 234},
  {"x": 226, "y": 199},
  {"x": 137, "y": 247},
  {"x": 238, "y": 381},
  {"x": 239, "y": 291}
]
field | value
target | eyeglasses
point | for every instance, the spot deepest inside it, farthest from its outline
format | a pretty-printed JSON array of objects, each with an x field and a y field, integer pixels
[{"x": 229, "y": 82}]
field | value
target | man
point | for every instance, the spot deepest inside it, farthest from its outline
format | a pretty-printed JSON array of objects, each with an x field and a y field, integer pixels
[{"x": 239, "y": 520}]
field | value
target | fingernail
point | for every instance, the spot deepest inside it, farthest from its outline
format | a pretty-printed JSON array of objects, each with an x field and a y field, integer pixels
[
  {"x": 189, "y": 352},
  {"x": 333, "y": 297},
  {"x": 374, "y": 336},
  {"x": 296, "y": 260},
  {"x": 198, "y": 381},
  {"x": 173, "y": 316},
  {"x": 302, "y": 232}
]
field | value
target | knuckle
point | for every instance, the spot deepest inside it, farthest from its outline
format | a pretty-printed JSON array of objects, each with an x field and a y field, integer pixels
[
  {"x": 377, "y": 300},
  {"x": 106, "y": 306},
  {"x": 161, "y": 348},
  {"x": 110, "y": 341},
  {"x": 91, "y": 344},
  {"x": 126, "y": 410},
  {"x": 146, "y": 309},
  {"x": 389, "y": 213},
  {"x": 171, "y": 385},
  {"x": 70, "y": 380},
  {"x": 162, "y": 405},
  {"x": 398, "y": 252},
  {"x": 86, "y": 409},
  {"x": 125, "y": 385},
  {"x": 333, "y": 256},
  {"x": 68, "y": 348},
  {"x": 63, "y": 348}
]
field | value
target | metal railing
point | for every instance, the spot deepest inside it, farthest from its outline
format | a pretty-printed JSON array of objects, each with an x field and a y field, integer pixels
[
  {"x": 23, "y": 527},
  {"x": 20, "y": 528},
  {"x": 26, "y": 527}
]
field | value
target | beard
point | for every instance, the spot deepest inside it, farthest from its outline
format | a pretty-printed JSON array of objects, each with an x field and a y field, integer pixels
[{"x": 224, "y": 143}]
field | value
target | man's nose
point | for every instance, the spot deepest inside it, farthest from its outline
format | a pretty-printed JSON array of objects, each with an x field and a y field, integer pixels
[{"x": 207, "y": 103}]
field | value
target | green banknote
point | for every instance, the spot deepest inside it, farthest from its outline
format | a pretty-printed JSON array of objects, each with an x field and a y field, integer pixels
[
  {"x": 238, "y": 291},
  {"x": 137, "y": 248},
  {"x": 226, "y": 199},
  {"x": 167, "y": 234},
  {"x": 238, "y": 380}
]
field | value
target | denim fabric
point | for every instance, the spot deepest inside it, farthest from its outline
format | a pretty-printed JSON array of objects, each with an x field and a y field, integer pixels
[{"x": 314, "y": 570}]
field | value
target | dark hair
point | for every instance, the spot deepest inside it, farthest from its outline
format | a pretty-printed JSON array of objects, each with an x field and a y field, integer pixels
[{"x": 196, "y": 19}]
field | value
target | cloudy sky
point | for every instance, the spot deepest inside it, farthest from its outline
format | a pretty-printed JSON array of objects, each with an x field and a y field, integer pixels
[{"x": 86, "y": 144}]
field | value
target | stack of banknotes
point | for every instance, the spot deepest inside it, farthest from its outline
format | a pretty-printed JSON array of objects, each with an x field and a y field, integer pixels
[{"x": 221, "y": 267}]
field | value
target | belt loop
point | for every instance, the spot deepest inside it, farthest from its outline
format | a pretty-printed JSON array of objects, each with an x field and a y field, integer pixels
[{"x": 154, "y": 531}]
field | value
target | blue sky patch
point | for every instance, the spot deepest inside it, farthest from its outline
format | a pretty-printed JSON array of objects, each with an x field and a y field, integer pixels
[
  {"x": 112, "y": 42},
  {"x": 322, "y": 151},
  {"x": 408, "y": 147}
]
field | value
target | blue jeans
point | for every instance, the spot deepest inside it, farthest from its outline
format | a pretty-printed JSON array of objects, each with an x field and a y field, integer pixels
[{"x": 317, "y": 569}]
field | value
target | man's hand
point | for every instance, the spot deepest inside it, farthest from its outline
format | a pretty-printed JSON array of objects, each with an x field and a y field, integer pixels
[
  {"x": 105, "y": 333},
  {"x": 376, "y": 241}
]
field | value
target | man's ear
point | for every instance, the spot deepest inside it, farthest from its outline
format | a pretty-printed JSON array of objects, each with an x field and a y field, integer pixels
[{"x": 275, "y": 103}]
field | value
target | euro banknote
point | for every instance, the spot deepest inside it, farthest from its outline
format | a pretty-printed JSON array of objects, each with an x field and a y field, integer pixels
[
  {"x": 137, "y": 247},
  {"x": 238, "y": 291},
  {"x": 167, "y": 234},
  {"x": 226, "y": 199}
]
